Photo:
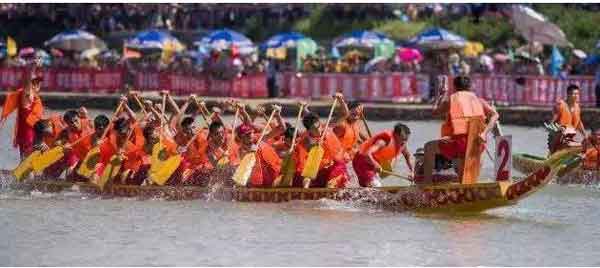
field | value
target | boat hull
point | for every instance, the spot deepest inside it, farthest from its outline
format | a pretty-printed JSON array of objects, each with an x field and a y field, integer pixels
[{"x": 446, "y": 198}]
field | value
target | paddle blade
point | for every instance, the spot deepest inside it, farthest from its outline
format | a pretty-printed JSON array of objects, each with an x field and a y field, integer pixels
[
  {"x": 25, "y": 167},
  {"x": 87, "y": 167},
  {"x": 386, "y": 165},
  {"x": 111, "y": 170},
  {"x": 223, "y": 162},
  {"x": 48, "y": 158},
  {"x": 288, "y": 171},
  {"x": 243, "y": 171},
  {"x": 313, "y": 162},
  {"x": 161, "y": 173}
]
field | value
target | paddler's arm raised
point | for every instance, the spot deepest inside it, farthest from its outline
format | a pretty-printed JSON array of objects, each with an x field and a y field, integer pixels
[{"x": 345, "y": 111}]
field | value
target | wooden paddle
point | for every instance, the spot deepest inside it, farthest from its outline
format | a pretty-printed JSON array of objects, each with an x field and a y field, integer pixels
[
  {"x": 243, "y": 171},
  {"x": 288, "y": 166},
  {"x": 397, "y": 175},
  {"x": 47, "y": 158},
  {"x": 315, "y": 155}
]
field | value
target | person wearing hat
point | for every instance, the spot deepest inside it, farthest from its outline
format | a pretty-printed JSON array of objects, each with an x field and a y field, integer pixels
[{"x": 30, "y": 109}]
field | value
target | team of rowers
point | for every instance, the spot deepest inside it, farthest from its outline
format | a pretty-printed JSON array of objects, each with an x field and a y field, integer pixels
[{"x": 212, "y": 152}]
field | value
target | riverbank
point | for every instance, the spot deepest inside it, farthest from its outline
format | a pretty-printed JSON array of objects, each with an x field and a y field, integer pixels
[{"x": 516, "y": 115}]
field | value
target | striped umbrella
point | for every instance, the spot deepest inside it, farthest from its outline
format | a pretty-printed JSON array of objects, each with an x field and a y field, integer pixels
[
  {"x": 438, "y": 38},
  {"x": 75, "y": 40},
  {"x": 226, "y": 39},
  {"x": 361, "y": 39},
  {"x": 154, "y": 40}
]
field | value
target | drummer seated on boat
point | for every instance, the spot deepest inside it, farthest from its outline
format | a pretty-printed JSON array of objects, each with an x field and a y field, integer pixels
[
  {"x": 332, "y": 169},
  {"x": 378, "y": 150},
  {"x": 459, "y": 109}
]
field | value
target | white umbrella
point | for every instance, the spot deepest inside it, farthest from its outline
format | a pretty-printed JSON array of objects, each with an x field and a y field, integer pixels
[
  {"x": 76, "y": 40},
  {"x": 535, "y": 27}
]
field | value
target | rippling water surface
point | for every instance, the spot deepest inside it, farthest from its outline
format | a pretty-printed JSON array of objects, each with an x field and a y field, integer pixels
[{"x": 557, "y": 226}]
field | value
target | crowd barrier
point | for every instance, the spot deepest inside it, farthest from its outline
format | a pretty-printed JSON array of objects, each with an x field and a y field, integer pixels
[
  {"x": 250, "y": 86},
  {"x": 68, "y": 80},
  {"x": 113, "y": 80},
  {"x": 503, "y": 90},
  {"x": 395, "y": 87},
  {"x": 386, "y": 87}
]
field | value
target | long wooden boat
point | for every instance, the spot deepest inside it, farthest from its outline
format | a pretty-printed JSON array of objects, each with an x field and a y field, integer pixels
[
  {"x": 446, "y": 198},
  {"x": 527, "y": 163}
]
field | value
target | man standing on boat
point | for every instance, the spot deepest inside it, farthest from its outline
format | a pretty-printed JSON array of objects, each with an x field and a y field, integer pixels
[
  {"x": 379, "y": 149},
  {"x": 458, "y": 109},
  {"x": 28, "y": 104}
]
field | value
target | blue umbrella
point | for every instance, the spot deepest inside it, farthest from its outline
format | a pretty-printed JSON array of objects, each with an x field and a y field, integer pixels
[
  {"x": 361, "y": 39},
  {"x": 76, "y": 40},
  {"x": 592, "y": 60},
  {"x": 288, "y": 39},
  {"x": 225, "y": 39},
  {"x": 154, "y": 39},
  {"x": 438, "y": 38}
]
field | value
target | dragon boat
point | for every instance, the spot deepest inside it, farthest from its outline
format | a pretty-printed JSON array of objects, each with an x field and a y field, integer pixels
[
  {"x": 453, "y": 198},
  {"x": 526, "y": 163}
]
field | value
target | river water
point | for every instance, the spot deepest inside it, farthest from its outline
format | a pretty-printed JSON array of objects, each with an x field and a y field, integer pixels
[{"x": 556, "y": 226}]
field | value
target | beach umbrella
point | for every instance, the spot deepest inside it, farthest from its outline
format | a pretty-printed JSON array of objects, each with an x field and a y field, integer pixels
[
  {"x": 226, "y": 39},
  {"x": 535, "y": 27},
  {"x": 285, "y": 40},
  {"x": 438, "y": 38},
  {"x": 361, "y": 39},
  {"x": 406, "y": 54},
  {"x": 75, "y": 40},
  {"x": 154, "y": 40}
]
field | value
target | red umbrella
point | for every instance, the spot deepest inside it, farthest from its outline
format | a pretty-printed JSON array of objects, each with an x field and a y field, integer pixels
[
  {"x": 500, "y": 57},
  {"x": 409, "y": 54}
]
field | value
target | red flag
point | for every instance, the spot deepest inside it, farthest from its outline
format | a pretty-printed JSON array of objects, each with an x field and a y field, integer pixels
[{"x": 10, "y": 104}]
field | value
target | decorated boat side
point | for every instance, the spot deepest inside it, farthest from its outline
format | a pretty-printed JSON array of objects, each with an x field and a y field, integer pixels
[{"x": 447, "y": 197}]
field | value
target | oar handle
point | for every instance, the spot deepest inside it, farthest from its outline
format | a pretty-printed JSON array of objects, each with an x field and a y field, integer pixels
[
  {"x": 235, "y": 119},
  {"x": 296, "y": 127},
  {"x": 328, "y": 120},
  {"x": 139, "y": 103},
  {"x": 396, "y": 175},
  {"x": 201, "y": 109},
  {"x": 264, "y": 131},
  {"x": 164, "y": 103}
]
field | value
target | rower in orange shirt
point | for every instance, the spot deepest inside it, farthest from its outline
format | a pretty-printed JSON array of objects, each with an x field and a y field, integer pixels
[
  {"x": 348, "y": 129},
  {"x": 332, "y": 171},
  {"x": 28, "y": 104},
  {"x": 81, "y": 149},
  {"x": 381, "y": 148},
  {"x": 591, "y": 147},
  {"x": 268, "y": 164},
  {"x": 71, "y": 133},
  {"x": 567, "y": 114}
]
